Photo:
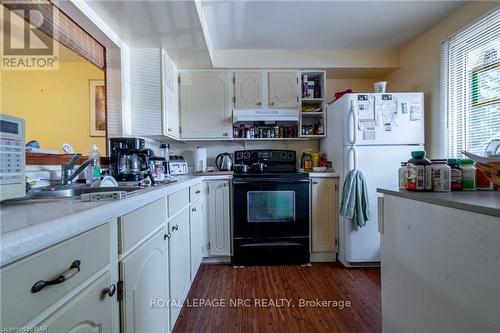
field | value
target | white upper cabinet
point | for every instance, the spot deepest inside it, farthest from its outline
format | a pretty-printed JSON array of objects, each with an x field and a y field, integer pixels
[
  {"x": 283, "y": 89},
  {"x": 153, "y": 94},
  {"x": 205, "y": 104},
  {"x": 146, "y": 91},
  {"x": 171, "y": 98},
  {"x": 248, "y": 90}
]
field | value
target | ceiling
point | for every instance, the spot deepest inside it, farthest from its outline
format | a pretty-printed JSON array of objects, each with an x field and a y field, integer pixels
[
  {"x": 195, "y": 32},
  {"x": 172, "y": 25},
  {"x": 321, "y": 24}
]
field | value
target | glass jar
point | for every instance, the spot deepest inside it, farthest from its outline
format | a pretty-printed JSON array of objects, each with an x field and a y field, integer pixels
[{"x": 402, "y": 176}]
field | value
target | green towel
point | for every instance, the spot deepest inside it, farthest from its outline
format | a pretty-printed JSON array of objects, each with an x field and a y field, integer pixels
[{"x": 355, "y": 199}]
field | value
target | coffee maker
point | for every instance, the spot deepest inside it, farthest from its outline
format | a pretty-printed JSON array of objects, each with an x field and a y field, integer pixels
[{"x": 128, "y": 159}]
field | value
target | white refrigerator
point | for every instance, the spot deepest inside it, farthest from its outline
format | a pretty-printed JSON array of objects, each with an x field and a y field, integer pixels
[{"x": 373, "y": 133}]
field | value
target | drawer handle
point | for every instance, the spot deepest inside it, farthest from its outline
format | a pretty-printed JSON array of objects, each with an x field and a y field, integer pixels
[
  {"x": 197, "y": 192},
  {"x": 73, "y": 269},
  {"x": 175, "y": 227},
  {"x": 167, "y": 235},
  {"x": 193, "y": 209},
  {"x": 110, "y": 291}
]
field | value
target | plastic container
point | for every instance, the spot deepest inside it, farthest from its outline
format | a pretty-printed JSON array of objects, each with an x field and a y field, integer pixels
[
  {"x": 468, "y": 175},
  {"x": 441, "y": 176},
  {"x": 418, "y": 172},
  {"x": 456, "y": 174},
  {"x": 402, "y": 176},
  {"x": 93, "y": 172},
  {"x": 315, "y": 160}
]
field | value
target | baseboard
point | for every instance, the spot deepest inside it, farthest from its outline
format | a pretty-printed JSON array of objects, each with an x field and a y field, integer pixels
[
  {"x": 323, "y": 257},
  {"x": 217, "y": 260}
]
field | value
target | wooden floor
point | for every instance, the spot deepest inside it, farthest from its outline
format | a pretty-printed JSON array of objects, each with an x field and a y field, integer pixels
[{"x": 255, "y": 285}]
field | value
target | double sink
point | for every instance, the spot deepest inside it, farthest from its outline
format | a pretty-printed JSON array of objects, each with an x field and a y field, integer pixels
[{"x": 75, "y": 190}]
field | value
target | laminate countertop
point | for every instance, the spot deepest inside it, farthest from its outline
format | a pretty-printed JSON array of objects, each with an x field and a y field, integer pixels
[
  {"x": 482, "y": 202},
  {"x": 27, "y": 226}
]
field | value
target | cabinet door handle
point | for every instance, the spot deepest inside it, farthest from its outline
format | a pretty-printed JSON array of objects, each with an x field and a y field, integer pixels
[
  {"x": 259, "y": 103},
  {"x": 167, "y": 235},
  {"x": 175, "y": 227},
  {"x": 193, "y": 209},
  {"x": 170, "y": 130},
  {"x": 272, "y": 103},
  {"x": 73, "y": 269},
  {"x": 110, "y": 291},
  {"x": 225, "y": 134},
  {"x": 197, "y": 192},
  {"x": 314, "y": 182}
]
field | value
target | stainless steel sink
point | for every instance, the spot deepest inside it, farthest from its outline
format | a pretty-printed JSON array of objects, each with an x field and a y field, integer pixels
[{"x": 76, "y": 191}]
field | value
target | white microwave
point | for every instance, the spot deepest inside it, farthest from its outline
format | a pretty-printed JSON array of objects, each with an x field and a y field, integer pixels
[{"x": 12, "y": 158}]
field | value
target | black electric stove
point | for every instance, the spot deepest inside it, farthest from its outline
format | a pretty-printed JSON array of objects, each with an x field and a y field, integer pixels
[{"x": 270, "y": 209}]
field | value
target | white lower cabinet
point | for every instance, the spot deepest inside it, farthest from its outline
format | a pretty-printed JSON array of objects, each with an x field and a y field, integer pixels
[
  {"x": 91, "y": 310},
  {"x": 324, "y": 213},
  {"x": 196, "y": 230},
  {"x": 219, "y": 212},
  {"x": 179, "y": 262},
  {"x": 144, "y": 273}
]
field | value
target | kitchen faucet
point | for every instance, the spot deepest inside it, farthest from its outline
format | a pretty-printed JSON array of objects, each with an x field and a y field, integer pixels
[{"x": 67, "y": 175}]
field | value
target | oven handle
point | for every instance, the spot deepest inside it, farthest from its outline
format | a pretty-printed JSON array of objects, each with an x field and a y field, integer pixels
[{"x": 270, "y": 180}]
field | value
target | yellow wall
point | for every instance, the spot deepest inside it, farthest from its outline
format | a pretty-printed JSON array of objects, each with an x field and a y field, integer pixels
[
  {"x": 419, "y": 66},
  {"x": 357, "y": 85},
  {"x": 54, "y": 104}
]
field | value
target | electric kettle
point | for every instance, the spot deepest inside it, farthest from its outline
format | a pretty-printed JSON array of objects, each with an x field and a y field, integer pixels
[{"x": 224, "y": 162}]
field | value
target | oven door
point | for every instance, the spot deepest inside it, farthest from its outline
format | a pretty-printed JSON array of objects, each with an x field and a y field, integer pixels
[{"x": 270, "y": 207}]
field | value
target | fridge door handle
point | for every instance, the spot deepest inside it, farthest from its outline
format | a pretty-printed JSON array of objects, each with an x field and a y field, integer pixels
[
  {"x": 354, "y": 158},
  {"x": 351, "y": 125}
]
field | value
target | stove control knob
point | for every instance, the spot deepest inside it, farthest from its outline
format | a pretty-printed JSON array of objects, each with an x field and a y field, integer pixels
[
  {"x": 290, "y": 155},
  {"x": 247, "y": 154},
  {"x": 239, "y": 155},
  {"x": 283, "y": 154}
]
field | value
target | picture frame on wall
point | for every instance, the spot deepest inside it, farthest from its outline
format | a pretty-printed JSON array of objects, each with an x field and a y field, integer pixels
[{"x": 97, "y": 94}]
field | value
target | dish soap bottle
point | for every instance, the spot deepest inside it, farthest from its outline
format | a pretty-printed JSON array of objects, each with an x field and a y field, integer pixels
[{"x": 93, "y": 172}]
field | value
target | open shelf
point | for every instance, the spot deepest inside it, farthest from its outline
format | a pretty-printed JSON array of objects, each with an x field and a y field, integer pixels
[
  {"x": 271, "y": 139},
  {"x": 306, "y": 114},
  {"x": 313, "y": 121}
]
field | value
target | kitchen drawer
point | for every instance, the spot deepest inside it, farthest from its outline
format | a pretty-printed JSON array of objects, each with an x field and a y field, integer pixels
[
  {"x": 195, "y": 192},
  {"x": 177, "y": 201},
  {"x": 136, "y": 225},
  {"x": 20, "y": 304}
]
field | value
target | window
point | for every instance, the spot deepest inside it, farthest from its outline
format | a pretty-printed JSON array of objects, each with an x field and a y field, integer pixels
[{"x": 470, "y": 87}]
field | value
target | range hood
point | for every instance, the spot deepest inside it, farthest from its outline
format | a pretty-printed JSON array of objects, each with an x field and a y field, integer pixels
[{"x": 266, "y": 115}]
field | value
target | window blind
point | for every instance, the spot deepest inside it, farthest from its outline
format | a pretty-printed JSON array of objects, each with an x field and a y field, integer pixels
[
  {"x": 60, "y": 27},
  {"x": 470, "y": 87}
]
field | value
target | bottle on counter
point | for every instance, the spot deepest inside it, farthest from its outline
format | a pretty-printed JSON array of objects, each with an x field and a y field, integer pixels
[
  {"x": 441, "y": 175},
  {"x": 456, "y": 174},
  {"x": 93, "y": 172},
  {"x": 468, "y": 175},
  {"x": 402, "y": 176},
  {"x": 315, "y": 160},
  {"x": 306, "y": 160},
  {"x": 418, "y": 172},
  {"x": 483, "y": 183}
]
